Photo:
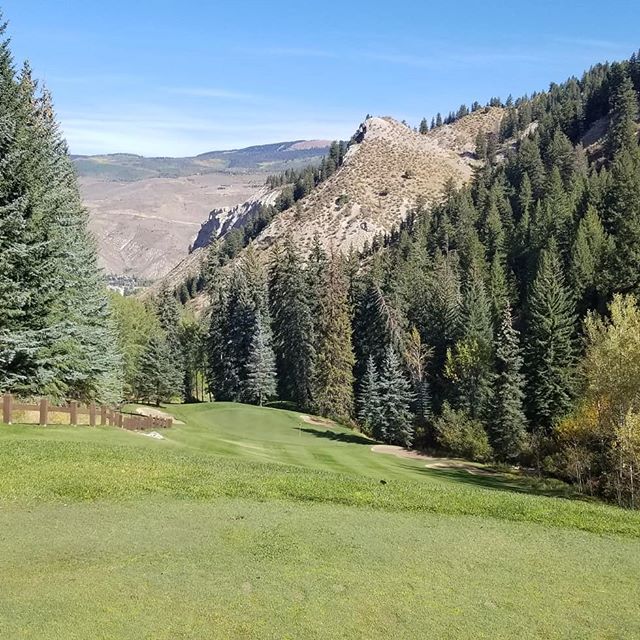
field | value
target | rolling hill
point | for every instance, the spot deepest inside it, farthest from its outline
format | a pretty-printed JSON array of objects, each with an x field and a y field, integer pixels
[{"x": 259, "y": 523}]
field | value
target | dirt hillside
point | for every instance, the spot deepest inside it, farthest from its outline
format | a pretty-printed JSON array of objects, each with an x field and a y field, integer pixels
[{"x": 384, "y": 172}]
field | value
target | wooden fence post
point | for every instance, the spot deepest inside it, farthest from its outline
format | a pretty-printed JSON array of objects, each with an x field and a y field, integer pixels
[
  {"x": 44, "y": 411},
  {"x": 6, "y": 408},
  {"x": 103, "y": 415},
  {"x": 92, "y": 414},
  {"x": 120, "y": 419},
  {"x": 73, "y": 411}
]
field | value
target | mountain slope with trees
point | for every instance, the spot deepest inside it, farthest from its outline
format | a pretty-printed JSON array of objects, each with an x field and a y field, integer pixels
[{"x": 472, "y": 324}]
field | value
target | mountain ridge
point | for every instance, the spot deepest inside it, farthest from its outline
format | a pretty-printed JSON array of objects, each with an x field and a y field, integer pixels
[{"x": 268, "y": 158}]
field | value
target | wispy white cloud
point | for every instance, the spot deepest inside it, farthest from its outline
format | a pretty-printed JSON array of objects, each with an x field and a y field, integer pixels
[
  {"x": 441, "y": 60},
  {"x": 222, "y": 94}
]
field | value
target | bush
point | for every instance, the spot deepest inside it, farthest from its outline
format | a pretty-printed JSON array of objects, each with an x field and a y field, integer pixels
[
  {"x": 461, "y": 436},
  {"x": 342, "y": 200}
]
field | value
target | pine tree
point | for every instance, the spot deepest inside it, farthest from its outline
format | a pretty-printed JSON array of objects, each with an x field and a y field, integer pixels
[
  {"x": 333, "y": 384},
  {"x": 292, "y": 327},
  {"x": 169, "y": 319},
  {"x": 622, "y": 135},
  {"x": 499, "y": 290},
  {"x": 621, "y": 217},
  {"x": 222, "y": 383},
  {"x": 395, "y": 422},
  {"x": 370, "y": 328},
  {"x": 424, "y": 126},
  {"x": 442, "y": 318},
  {"x": 153, "y": 384},
  {"x": 261, "y": 383},
  {"x": 469, "y": 364},
  {"x": 315, "y": 275},
  {"x": 72, "y": 338},
  {"x": 508, "y": 422},
  {"x": 416, "y": 356},
  {"x": 368, "y": 400},
  {"x": 590, "y": 253},
  {"x": 19, "y": 367},
  {"x": 550, "y": 343}
]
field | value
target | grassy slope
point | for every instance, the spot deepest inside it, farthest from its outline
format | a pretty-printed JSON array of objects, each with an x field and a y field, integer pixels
[{"x": 242, "y": 524}]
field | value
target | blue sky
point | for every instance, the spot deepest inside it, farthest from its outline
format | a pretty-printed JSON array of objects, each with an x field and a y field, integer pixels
[{"x": 180, "y": 78}]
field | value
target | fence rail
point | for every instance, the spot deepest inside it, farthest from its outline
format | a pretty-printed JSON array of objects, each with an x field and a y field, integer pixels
[{"x": 79, "y": 414}]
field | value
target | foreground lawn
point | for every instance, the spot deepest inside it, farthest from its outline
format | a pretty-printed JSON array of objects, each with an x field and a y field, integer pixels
[{"x": 249, "y": 523}]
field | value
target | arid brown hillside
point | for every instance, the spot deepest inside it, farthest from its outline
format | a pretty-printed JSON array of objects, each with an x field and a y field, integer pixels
[
  {"x": 144, "y": 228},
  {"x": 387, "y": 168},
  {"x": 384, "y": 172},
  {"x": 145, "y": 212}
]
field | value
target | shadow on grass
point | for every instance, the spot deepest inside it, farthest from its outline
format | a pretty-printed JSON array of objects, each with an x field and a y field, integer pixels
[
  {"x": 352, "y": 438},
  {"x": 499, "y": 481}
]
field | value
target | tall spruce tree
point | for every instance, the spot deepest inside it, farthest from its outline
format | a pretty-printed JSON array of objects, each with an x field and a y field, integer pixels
[
  {"x": 153, "y": 382},
  {"x": 18, "y": 326},
  {"x": 507, "y": 422},
  {"x": 591, "y": 251},
  {"x": 60, "y": 340},
  {"x": 261, "y": 383},
  {"x": 368, "y": 400},
  {"x": 292, "y": 326},
  {"x": 550, "y": 343},
  {"x": 622, "y": 221},
  {"x": 394, "y": 422},
  {"x": 416, "y": 356},
  {"x": 169, "y": 319},
  {"x": 222, "y": 385},
  {"x": 623, "y": 133},
  {"x": 442, "y": 318},
  {"x": 333, "y": 384},
  {"x": 469, "y": 363}
]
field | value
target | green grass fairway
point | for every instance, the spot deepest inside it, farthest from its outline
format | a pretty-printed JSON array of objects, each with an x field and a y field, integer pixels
[{"x": 250, "y": 523}]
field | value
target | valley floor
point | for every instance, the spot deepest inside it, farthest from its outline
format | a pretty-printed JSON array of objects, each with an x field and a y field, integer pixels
[{"x": 252, "y": 523}]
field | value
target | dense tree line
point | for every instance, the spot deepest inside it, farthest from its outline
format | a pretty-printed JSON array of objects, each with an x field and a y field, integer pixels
[
  {"x": 295, "y": 184},
  {"x": 465, "y": 328},
  {"x": 491, "y": 325}
]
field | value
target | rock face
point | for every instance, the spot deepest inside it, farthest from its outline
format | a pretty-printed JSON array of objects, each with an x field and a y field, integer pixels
[
  {"x": 223, "y": 220},
  {"x": 387, "y": 167}
]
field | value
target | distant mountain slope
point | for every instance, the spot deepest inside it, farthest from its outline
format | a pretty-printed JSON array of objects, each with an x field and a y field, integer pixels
[
  {"x": 145, "y": 212},
  {"x": 144, "y": 228},
  {"x": 386, "y": 169},
  {"x": 123, "y": 167}
]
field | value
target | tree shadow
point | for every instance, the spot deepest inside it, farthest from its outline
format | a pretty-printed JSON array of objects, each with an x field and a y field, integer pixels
[
  {"x": 352, "y": 438},
  {"x": 499, "y": 481}
]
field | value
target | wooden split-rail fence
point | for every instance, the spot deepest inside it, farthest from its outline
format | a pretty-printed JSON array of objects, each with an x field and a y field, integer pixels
[{"x": 80, "y": 414}]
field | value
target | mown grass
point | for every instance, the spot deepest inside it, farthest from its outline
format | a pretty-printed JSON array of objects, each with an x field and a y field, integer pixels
[
  {"x": 44, "y": 471},
  {"x": 249, "y": 523}
]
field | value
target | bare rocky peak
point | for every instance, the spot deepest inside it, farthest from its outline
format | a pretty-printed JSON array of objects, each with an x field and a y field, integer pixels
[{"x": 387, "y": 167}]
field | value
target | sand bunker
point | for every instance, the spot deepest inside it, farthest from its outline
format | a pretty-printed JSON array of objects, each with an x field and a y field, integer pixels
[{"x": 430, "y": 461}]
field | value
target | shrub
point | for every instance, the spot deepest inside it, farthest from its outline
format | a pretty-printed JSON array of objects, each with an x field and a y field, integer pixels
[
  {"x": 462, "y": 436},
  {"x": 341, "y": 200}
]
